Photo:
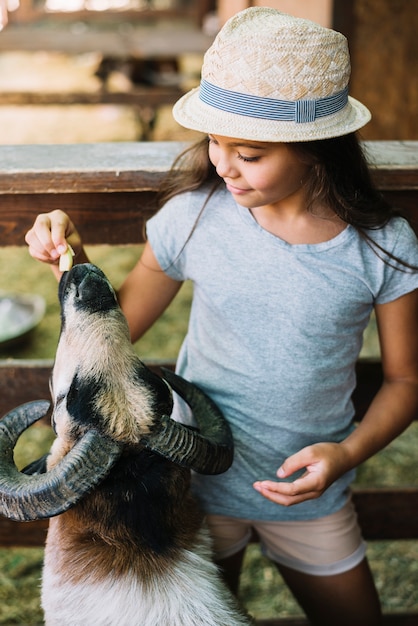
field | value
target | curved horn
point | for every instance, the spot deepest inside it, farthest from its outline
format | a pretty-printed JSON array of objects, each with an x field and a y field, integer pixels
[
  {"x": 23, "y": 497},
  {"x": 207, "y": 451}
]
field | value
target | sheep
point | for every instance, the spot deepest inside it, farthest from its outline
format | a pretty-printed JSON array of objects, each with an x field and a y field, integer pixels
[{"x": 126, "y": 544}]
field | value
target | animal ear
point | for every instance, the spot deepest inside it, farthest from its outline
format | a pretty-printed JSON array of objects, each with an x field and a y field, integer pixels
[
  {"x": 161, "y": 394},
  {"x": 209, "y": 450},
  {"x": 28, "y": 497}
]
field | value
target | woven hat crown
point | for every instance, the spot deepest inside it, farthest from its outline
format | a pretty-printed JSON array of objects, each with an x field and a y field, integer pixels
[
  {"x": 277, "y": 56},
  {"x": 273, "y": 77}
]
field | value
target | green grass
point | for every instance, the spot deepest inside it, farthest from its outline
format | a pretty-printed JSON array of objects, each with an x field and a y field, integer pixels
[
  {"x": 395, "y": 565},
  {"x": 19, "y": 273}
]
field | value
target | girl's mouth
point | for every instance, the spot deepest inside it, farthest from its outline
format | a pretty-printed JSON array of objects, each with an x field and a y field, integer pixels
[{"x": 236, "y": 190}]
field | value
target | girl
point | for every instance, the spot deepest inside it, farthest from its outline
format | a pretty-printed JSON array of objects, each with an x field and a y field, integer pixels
[{"x": 290, "y": 248}]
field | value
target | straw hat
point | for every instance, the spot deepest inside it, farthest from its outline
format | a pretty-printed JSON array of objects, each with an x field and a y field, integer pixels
[{"x": 269, "y": 76}]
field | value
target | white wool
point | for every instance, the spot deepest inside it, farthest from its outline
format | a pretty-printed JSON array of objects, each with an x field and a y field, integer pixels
[{"x": 190, "y": 594}]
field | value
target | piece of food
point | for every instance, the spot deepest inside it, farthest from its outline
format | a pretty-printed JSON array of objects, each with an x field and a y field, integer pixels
[{"x": 66, "y": 259}]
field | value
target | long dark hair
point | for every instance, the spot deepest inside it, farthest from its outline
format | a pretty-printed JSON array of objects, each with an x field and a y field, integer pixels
[
  {"x": 339, "y": 179},
  {"x": 191, "y": 169}
]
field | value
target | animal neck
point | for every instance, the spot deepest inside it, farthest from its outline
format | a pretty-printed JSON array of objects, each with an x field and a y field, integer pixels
[{"x": 138, "y": 519}]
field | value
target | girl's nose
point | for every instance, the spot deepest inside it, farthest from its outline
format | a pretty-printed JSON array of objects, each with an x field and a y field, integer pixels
[{"x": 224, "y": 167}]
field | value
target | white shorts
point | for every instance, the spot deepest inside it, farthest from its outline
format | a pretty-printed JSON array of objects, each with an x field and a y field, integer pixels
[{"x": 321, "y": 547}]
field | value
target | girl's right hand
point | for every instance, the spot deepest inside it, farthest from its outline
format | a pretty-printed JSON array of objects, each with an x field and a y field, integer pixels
[{"x": 50, "y": 235}]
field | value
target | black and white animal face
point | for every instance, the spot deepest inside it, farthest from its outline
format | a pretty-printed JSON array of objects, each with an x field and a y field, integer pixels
[
  {"x": 86, "y": 289},
  {"x": 107, "y": 405},
  {"x": 97, "y": 380}
]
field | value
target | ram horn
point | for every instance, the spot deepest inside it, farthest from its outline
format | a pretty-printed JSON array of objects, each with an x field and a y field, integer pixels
[
  {"x": 24, "y": 497},
  {"x": 208, "y": 450}
]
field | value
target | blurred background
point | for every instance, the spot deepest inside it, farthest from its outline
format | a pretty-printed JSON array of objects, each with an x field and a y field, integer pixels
[
  {"x": 118, "y": 65},
  {"x": 87, "y": 71}
]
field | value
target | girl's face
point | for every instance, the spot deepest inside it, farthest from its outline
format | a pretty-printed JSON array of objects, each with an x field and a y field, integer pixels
[{"x": 259, "y": 173}]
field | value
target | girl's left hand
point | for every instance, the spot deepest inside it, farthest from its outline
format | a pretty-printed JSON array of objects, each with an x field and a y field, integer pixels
[{"x": 323, "y": 462}]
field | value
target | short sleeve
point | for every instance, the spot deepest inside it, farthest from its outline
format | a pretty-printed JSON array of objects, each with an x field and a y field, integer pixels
[
  {"x": 400, "y": 279},
  {"x": 168, "y": 232}
]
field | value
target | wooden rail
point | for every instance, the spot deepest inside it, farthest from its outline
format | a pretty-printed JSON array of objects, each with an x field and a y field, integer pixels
[
  {"x": 109, "y": 191},
  {"x": 138, "y": 41},
  {"x": 137, "y": 37},
  {"x": 30, "y": 11}
]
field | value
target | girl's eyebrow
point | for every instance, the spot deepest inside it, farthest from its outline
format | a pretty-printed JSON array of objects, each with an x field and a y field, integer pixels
[{"x": 243, "y": 144}]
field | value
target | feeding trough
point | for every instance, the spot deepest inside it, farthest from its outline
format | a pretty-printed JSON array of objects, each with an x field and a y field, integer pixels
[{"x": 19, "y": 315}]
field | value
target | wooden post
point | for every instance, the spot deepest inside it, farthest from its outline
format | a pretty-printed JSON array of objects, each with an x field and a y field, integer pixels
[
  {"x": 228, "y": 8},
  {"x": 316, "y": 10},
  {"x": 319, "y": 11}
]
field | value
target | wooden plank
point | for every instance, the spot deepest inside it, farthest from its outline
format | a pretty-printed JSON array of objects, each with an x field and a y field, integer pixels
[
  {"x": 391, "y": 619},
  {"x": 395, "y": 163},
  {"x": 394, "y": 168},
  {"x": 387, "y": 513},
  {"x": 406, "y": 202},
  {"x": 32, "y": 11},
  {"x": 113, "y": 218},
  {"x": 137, "y": 41},
  {"x": 85, "y": 168},
  {"x": 22, "y": 381},
  {"x": 383, "y": 514},
  {"x": 29, "y": 380},
  {"x": 283, "y": 621},
  {"x": 25, "y": 380},
  {"x": 124, "y": 177},
  {"x": 138, "y": 97},
  {"x": 54, "y": 17},
  {"x": 392, "y": 153},
  {"x": 130, "y": 166},
  {"x": 369, "y": 379},
  {"x": 22, "y": 534}
]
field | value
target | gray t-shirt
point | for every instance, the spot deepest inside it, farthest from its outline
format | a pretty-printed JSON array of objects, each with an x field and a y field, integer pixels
[{"x": 274, "y": 333}]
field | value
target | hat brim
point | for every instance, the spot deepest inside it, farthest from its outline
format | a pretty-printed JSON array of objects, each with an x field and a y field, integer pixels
[{"x": 194, "y": 114}]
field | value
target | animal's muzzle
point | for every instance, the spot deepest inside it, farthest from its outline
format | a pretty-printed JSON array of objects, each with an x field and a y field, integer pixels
[{"x": 89, "y": 287}]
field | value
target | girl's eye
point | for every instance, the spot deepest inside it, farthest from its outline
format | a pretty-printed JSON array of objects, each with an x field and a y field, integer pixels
[{"x": 248, "y": 159}]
